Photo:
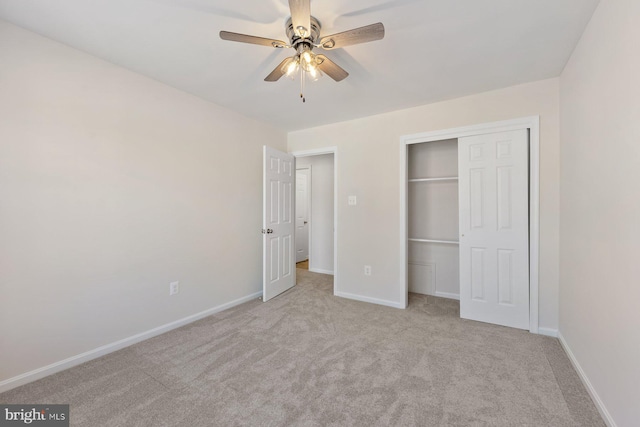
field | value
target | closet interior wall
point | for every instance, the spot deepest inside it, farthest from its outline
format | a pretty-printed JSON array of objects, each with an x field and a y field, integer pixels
[{"x": 433, "y": 257}]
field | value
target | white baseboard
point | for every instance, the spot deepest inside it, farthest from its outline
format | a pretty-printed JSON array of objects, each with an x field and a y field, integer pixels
[
  {"x": 320, "y": 270},
  {"x": 369, "y": 299},
  {"x": 606, "y": 416},
  {"x": 448, "y": 295},
  {"x": 70, "y": 362},
  {"x": 548, "y": 332}
]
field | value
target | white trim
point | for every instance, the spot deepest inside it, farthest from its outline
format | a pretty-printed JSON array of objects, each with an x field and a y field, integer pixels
[
  {"x": 70, "y": 362},
  {"x": 309, "y": 198},
  {"x": 321, "y": 271},
  {"x": 314, "y": 152},
  {"x": 439, "y": 294},
  {"x": 448, "y": 295},
  {"x": 334, "y": 151},
  {"x": 533, "y": 124},
  {"x": 404, "y": 221},
  {"x": 548, "y": 332},
  {"x": 534, "y": 223},
  {"x": 385, "y": 302},
  {"x": 479, "y": 129},
  {"x": 606, "y": 416}
]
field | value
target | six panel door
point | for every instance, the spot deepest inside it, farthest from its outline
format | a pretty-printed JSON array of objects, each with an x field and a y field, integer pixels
[
  {"x": 278, "y": 223},
  {"x": 494, "y": 228}
]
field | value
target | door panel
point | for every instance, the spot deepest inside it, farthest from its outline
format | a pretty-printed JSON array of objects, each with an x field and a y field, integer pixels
[
  {"x": 505, "y": 276},
  {"x": 504, "y": 197},
  {"x": 287, "y": 196},
  {"x": 477, "y": 197},
  {"x": 278, "y": 252},
  {"x": 494, "y": 228},
  {"x": 275, "y": 205}
]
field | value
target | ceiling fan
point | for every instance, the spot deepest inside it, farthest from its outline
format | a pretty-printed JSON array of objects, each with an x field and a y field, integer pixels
[{"x": 303, "y": 32}]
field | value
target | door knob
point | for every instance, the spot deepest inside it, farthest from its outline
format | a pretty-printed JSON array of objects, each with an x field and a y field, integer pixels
[
  {"x": 269, "y": 231},
  {"x": 305, "y": 222}
]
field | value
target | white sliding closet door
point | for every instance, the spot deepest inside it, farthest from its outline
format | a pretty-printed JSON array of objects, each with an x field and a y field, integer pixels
[{"x": 494, "y": 228}]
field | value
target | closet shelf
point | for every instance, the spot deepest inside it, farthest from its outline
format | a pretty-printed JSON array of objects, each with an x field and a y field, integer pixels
[
  {"x": 449, "y": 242},
  {"x": 445, "y": 178}
]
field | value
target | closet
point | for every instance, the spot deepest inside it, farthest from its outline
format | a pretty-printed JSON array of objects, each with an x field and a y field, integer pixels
[
  {"x": 433, "y": 252},
  {"x": 468, "y": 224}
]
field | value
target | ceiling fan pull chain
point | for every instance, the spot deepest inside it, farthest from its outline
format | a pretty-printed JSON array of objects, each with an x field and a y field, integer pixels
[{"x": 302, "y": 73}]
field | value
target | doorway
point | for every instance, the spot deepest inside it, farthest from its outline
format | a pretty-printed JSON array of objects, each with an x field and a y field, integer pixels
[
  {"x": 315, "y": 212},
  {"x": 316, "y": 216}
]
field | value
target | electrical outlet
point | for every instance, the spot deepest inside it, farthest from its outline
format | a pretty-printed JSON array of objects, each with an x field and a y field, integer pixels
[
  {"x": 367, "y": 270},
  {"x": 352, "y": 200},
  {"x": 174, "y": 288}
]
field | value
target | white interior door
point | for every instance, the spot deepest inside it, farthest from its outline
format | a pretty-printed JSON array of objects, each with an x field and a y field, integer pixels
[
  {"x": 278, "y": 231},
  {"x": 302, "y": 213},
  {"x": 494, "y": 228}
]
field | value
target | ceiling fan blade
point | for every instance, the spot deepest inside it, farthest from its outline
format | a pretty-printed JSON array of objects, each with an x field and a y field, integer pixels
[
  {"x": 390, "y": 4},
  {"x": 364, "y": 34},
  {"x": 243, "y": 38},
  {"x": 301, "y": 16},
  {"x": 279, "y": 71},
  {"x": 330, "y": 68}
]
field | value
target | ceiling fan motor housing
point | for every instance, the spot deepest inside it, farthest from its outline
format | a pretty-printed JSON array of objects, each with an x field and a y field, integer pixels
[{"x": 310, "y": 40}]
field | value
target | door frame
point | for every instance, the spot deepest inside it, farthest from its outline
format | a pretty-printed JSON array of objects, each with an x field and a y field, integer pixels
[
  {"x": 532, "y": 123},
  {"x": 308, "y": 206},
  {"x": 317, "y": 152}
]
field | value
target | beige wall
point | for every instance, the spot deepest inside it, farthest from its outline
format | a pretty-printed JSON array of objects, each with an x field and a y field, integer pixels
[
  {"x": 600, "y": 208},
  {"x": 111, "y": 186},
  {"x": 368, "y": 167}
]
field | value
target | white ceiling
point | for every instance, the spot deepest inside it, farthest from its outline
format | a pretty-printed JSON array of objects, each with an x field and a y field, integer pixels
[{"x": 433, "y": 49}]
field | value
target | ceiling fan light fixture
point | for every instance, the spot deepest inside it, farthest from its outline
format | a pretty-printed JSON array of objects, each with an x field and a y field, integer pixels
[
  {"x": 307, "y": 57},
  {"x": 307, "y": 65},
  {"x": 308, "y": 60},
  {"x": 315, "y": 73},
  {"x": 292, "y": 68}
]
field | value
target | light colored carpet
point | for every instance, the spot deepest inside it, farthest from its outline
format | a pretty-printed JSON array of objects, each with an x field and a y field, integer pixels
[{"x": 311, "y": 359}]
